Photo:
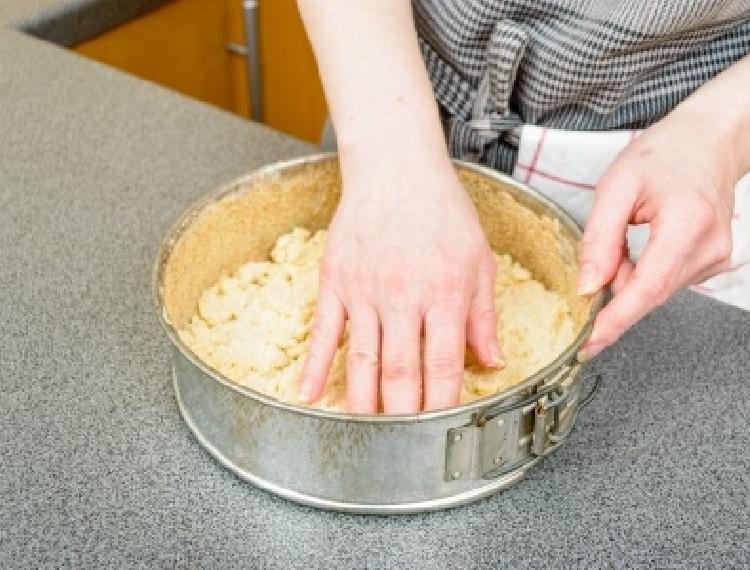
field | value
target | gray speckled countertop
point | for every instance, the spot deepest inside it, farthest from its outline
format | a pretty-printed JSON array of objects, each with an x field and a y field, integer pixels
[{"x": 97, "y": 466}]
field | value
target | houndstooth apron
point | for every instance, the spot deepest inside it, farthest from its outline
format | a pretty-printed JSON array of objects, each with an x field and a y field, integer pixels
[{"x": 551, "y": 91}]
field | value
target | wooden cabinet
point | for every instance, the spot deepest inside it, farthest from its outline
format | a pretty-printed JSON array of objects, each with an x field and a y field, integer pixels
[{"x": 183, "y": 45}]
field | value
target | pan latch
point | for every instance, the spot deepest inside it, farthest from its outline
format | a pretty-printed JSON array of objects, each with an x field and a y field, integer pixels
[
  {"x": 476, "y": 452},
  {"x": 555, "y": 414},
  {"x": 509, "y": 436}
]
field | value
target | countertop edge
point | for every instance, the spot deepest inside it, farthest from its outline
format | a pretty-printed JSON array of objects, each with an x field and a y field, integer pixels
[{"x": 69, "y": 23}]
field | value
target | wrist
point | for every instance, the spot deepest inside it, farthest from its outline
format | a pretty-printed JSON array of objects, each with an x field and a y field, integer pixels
[
  {"x": 720, "y": 107},
  {"x": 404, "y": 127},
  {"x": 727, "y": 133},
  {"x": 733, "y": 134},
  {"x": 405, "y": 149},
  {"x": 740, "y": 136}
]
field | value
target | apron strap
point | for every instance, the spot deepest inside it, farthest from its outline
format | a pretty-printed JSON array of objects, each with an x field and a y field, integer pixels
[{"x": 478, "y": 117}]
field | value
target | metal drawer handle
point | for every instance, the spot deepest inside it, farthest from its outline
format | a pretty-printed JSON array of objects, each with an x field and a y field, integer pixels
[{"x": 250, "y": 50}]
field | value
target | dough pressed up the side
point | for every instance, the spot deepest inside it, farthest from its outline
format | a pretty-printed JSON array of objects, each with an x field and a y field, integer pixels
[{"x": 254, "y": 326}]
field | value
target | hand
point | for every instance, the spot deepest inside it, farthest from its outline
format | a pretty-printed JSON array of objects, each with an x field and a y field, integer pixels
[
  {"x": 679, "y": 177},
  {"x": 405, "y": 254}
]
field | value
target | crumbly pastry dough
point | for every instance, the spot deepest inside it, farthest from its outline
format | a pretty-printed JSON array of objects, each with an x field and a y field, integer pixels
[{"x": 254, "y": 326}]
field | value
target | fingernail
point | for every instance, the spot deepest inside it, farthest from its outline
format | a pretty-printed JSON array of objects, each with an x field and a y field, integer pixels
[
  {"x": 496, "y": 358},
  {"x": 588, "y": 279},
  {"x": 589, "y": 351}
]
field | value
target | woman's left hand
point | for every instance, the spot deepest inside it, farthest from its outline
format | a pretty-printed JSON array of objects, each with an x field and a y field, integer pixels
[{"x": 679, "y": 177}]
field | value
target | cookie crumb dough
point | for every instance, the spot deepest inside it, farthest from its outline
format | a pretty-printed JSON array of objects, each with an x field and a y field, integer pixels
[{"x": 254, "y": 326}]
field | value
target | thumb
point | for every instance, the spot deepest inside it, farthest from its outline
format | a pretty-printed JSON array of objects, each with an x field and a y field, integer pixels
[{"x": 604, "y": 238}]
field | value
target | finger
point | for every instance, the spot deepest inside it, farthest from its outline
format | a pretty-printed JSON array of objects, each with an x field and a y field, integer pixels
[
  {"x": 481, "y": 327},
  {"x": 445, "y": 342},
  {"x": 401, "y": 377},
  {"x": 654, "y": 278},
  {"x": 604, "y": 236},
  {"x": 328, "y": 326},
  {"x": 623, "y": 271},
  {"x": 622, "y": 275},
  {"x": 362, "y": 361}
]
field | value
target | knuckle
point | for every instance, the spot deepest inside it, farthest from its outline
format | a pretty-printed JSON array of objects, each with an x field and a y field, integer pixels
[
  {"x": 595, "y": 238},
  {"x": 618, "y": 177},
  {"x": 317, "y": 332},
  {"x": 449, "y": 288},
  {"x": 703, "y": 215},
  {"x": 316, "y": 355},
  {"x": 606, "y": 184},
  {"x": 361, "y": 278},
  {"x": 328, "y": 272},
  {"x": 400, "y": 369},
  {"x": 323, "y": 327},
  {"x": 449, "y": 281},
  {"x": 361, "y": 358},
  {"x": 611, "y": 329},
  {"x": 591, "y": 237},
  {"x": 319, "y": 326},
  {"x": 610, "y": 338},
  {"x": 394, "y": 282},
  {"x": 483, "y": 314},
  {"x": 723, "y": 249},
  {"x": 444, "y": 368},
  {"x": 656, "y": 288}
]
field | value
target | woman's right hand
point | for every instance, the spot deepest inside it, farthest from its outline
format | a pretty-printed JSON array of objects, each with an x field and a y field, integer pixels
[{"x": 405, "y": 258}]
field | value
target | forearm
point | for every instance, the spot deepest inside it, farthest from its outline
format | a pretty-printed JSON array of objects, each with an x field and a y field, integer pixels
[
  {"x": 377, "y": 88},
  {"x": 722, "y": 103}
]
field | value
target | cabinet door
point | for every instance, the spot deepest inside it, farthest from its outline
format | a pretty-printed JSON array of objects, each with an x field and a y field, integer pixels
[
  {"x": 293, "y": 96},
  {"x": 183, "y": 45}
]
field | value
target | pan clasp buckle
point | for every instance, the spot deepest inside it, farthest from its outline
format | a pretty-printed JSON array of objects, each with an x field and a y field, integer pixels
[
  {"x": 482, "y": 451},
  {"x": 555, "y": 414}
]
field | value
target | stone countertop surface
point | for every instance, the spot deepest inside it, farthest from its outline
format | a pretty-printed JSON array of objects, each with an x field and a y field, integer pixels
[{"x": 99, "y": 469}]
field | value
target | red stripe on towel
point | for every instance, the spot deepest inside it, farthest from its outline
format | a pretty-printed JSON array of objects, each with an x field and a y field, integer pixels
[
  {"x": 554, "y": 178},
  {"x": 530, "y": 170}
]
